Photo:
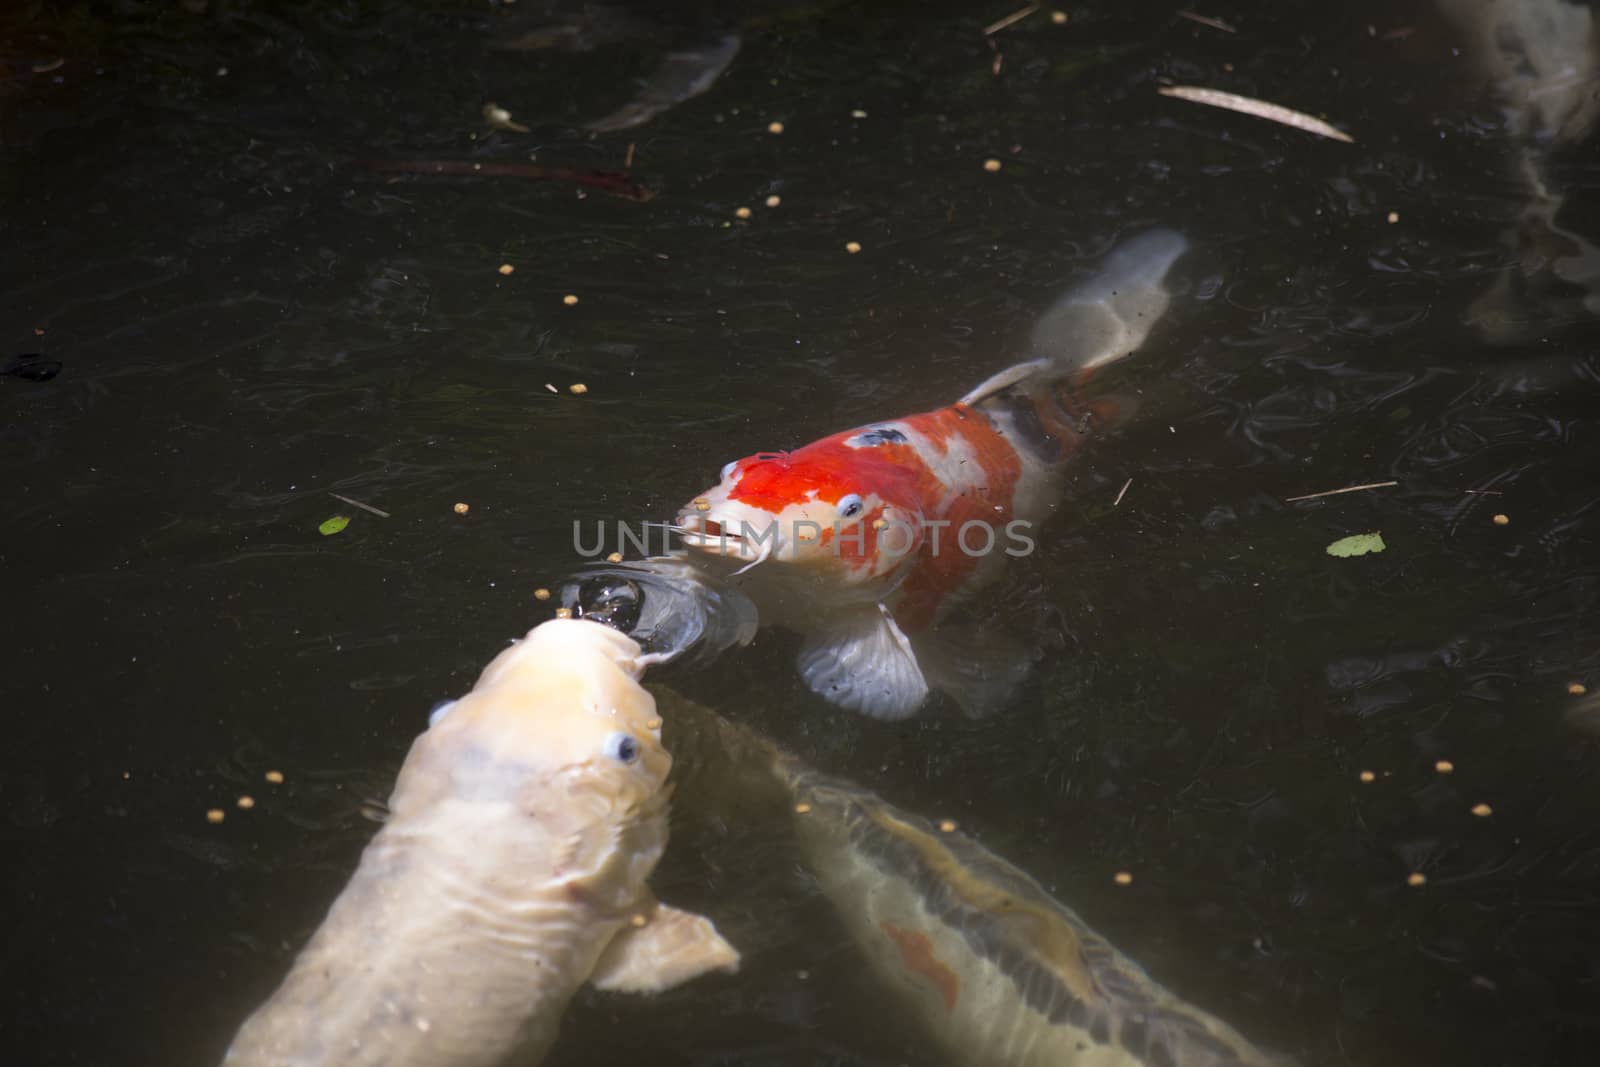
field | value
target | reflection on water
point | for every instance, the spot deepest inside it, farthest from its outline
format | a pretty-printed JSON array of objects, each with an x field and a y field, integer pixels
[{"x": 245, "y": 323}]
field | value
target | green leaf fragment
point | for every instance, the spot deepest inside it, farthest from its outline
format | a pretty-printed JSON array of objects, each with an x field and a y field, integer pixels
[
  {"x": 1357, "y": 545},
  {"x": 339, "y": 522}
]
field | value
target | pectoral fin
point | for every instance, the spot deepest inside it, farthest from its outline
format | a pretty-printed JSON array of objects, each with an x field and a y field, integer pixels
[
  {"x": 864, "y": 661},
  {"x": 671, "y": 947}
]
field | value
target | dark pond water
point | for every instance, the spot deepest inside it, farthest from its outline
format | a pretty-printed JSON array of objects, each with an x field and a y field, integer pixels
[{"x": 245, "y": 322}]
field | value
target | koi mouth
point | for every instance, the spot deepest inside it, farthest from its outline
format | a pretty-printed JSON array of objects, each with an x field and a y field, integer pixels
[{"x": 718, "y": 537}]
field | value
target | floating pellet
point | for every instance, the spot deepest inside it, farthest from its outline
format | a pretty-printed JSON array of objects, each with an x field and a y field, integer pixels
[
  {"x": 275, "y": 777},
  {"x": 801, "y": 808},
  {"x": 1416, "y": 878},
  {"x": 638, "y": 920},
  {"x": 570, "y": 299},
  {"x": 1123, "y": 878},
  {"x": 1444, "y": 766},
  {"x": 1394, "y": 217},
  {"x": 774, "y": 200},
  {"x": 563, "y": 613},
  {"x": 1058, "y": 17},
  {"x": 246, "y": 802},
  {"x": 1502, "y": 519},
  {"x": 215, "y": 815},
  {"x": 947, "y": 826},
  {"x": 852, "y": 247},
  {"x": 774, "y": 127},
  {"x": 577, "y": 388},
  {"x": 461, "y": 509},
  {"x": 506, "y": 268},
  {"x": 1482, "y": 811},
  {"x": 615, "y": 557},
  {"x": 1577, "y": 689},
  {"x": 541, "y": 593},
  {"x": 991, "y": 165},
  {"x": 1367, "y": 776},
  {"x": 702, "y": 504},
  {"x": 742, "y": 213}
]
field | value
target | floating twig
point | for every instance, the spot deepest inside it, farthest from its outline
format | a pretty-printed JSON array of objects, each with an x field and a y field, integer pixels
[
  {"x": 1483, "y": 492},
  {"x": 1259, "y": 108},
  {"x": 1122, "y": 491},
  {"x": 627, "y": 161},
  {"x": 1336, "y": 492},
  {"x": 605, "y": 181},
  {"x": 1207, "y": 20},
  {"x": 1010, "y": 20},
  {"x": 364, "y": 507}
]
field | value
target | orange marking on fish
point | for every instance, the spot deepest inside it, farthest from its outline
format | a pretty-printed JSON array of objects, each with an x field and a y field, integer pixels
[{"x": 916, "y": 951}]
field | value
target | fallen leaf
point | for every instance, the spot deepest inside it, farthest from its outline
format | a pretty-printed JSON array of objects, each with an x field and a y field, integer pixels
[
  {"x": 333, "y": 525},
  {"x": 1357, "y": 545}
]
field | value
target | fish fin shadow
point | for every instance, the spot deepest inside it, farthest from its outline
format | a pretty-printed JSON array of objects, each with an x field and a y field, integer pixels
[{"x": 978, "y": 667}]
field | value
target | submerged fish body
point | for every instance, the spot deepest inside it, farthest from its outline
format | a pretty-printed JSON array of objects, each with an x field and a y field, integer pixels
[
  {"x": 864, "y": 540},
  {"x": 512, "y": 869},
  {"x": 1001, "y": 973}
]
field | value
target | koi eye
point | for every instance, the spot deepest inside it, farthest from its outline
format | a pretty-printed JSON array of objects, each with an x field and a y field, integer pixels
[
  {"x": 728, "y": 469},
  {"x": 850, "y": 505},
  {"x": 439, "y": 711},
  {"x": 622, "y": 748}
]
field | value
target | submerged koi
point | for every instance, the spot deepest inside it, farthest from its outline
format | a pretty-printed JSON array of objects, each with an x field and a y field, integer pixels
[{"x": 863, "y": 541}]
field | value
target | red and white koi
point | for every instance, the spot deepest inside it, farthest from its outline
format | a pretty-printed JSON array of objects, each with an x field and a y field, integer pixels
[{"x": 864, "y": 540}]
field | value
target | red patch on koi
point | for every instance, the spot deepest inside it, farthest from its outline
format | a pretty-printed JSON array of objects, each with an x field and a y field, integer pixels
[{"x": 916, "y": 952}]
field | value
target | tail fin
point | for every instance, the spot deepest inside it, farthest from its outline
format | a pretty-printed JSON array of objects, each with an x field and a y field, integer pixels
[
  {"x": 1100, "y": 321},
  {"x": 1110, "y": 315}
]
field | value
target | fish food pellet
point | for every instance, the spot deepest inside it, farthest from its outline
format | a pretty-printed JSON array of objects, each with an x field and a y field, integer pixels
[
  {"x": 638, "y": 920},
  {"x": 275, "y": 777},
  {"x": 1577, "y": 689},
  {"x": 1444, "y": 766},
  {"x": 852, "y": 247},
  {"x": 506, "y": 268},
  {"x": 1122, "y": 878},
  {"x": 246, "y": 802},
  {"x": 569, "y": 299},
  {"x": 615, "y": 557},
  {"x": 577, "y": 388},
  {"x": 215, "y": 815},
  {"x": 947, "y": 826},
  {"x": 774, "y": 127},
  {"x": 1058, "y": 17},
  {"x": 1416, "y": 878},
  {"x": 742, "y": 213},
  {"x": 1367, "y": 776},
  {"x": 541, "y": 593},
  {"x": 702, "y": 504},
  {"x": 991, "y": 165},
  {"x": 1502, "y": 520},
  {"x": 1482, "y": 811},
  {"x": 563, "y": 613},
  {"x": 774, "y": 200},
  {"x": 802, "y": 808},
  {"x": 1394, "y": 217},
  {"x": 461, "y": 509}
]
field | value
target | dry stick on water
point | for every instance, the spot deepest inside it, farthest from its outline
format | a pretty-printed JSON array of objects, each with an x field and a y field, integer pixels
[
  {"x": 1207, "y": 20},
  {"x": 1258, "y": 108},
  {"x": 1121, "y": 492},
  {"x": 1016, "y": 16},
  {"x": 364, "y": 507},
  {"x": 605, "y": 181},
  {"x": 1336, "y": 492}
]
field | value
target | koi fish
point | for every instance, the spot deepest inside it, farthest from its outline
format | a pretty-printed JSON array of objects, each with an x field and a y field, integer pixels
[
  {"x": 523, "y": 827},
  {"x": 863, "y": 541}
]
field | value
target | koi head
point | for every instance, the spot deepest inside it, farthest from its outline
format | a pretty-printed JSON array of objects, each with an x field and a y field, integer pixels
[{"x": 833, "y": 509}]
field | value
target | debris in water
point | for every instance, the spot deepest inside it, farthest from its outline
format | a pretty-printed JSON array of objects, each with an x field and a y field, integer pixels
[
  {"x": 499, "y": 118},
  {"x": 1357, "y": 545},
  {"x": 1336, "y": 492},
  {"x": 364, "y": 507},
  {"x": 1258, "y": 108},
  {"x": 1010, "y": 20},
  {"x": 329, "y": 527},
  {"x": 610, "y": 182},
  {"x": 1207, "y": 20},
  {"x": 1121, "y": 493},
  {"x": 461, "y": 509}
]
